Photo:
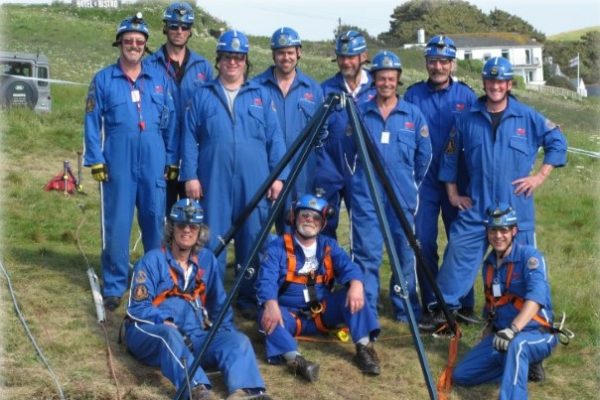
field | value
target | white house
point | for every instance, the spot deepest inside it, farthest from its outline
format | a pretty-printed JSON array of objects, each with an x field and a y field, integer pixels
[{"x": 524, "y": 53}]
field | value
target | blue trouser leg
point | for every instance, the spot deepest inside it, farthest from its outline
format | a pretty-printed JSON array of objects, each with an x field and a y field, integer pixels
[
  {"x": 408, "y": 267},
  {"x": 480, "y": 365},
  {"x": 151, "y": 207},
  {"x": 463, "y": 257},
  {"x": 162, "y": 346},
  {"x": 426, "y": 229},
  {"x": 118, "y": 202},
  {"x": 232, "y": 353},
  {"x": 362, "y": 323},
  {"x": 526, "y": 348},
  {"x": 281, "y": 340}
]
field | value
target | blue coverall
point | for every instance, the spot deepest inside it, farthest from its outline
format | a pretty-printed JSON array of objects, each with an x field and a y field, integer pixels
[
  {"x": 196, "y": 71},
  {"x": 271, "y": 278},
  {"x": 534, "y": 343},
  {"x": 155, "y": 343},
  {"x": 402, "y": 140},
  {"x": 231, "y": 156},
  {"x": 440, "y": 107},
  {"x": 336, "y": 160},
  {"x": 135, "y": 140},
  {"x": 294, "y": 110},
  {"x": 492, "y": 165}
]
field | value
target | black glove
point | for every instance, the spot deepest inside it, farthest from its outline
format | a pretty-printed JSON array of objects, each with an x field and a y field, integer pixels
[
  {"x": 171, "y": 172},
  {"x": 503, "y": 338},
  {"x": 100, "y": 172}
]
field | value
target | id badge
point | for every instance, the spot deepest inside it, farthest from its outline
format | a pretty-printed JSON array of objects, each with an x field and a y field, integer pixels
[
  {"x": 306, "y": 296},
  {"x": 385, "y": 137},
  {"x": 496, "y": 292},
  {"x": 135, "y": 96}
]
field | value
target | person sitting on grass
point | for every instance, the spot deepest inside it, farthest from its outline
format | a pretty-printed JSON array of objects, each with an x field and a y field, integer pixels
[{"x": 294, "y": 289}]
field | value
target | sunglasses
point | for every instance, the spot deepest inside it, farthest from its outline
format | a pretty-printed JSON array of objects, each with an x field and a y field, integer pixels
[
  {"x": 182, "y": 226},
  {"x": 174, "y": 27},
  {"x": 238, "y": 58},
  {"x": 137, "y": 42},
  {"x": 307, "y": 214},
  {"x": 441, "y": 61}
]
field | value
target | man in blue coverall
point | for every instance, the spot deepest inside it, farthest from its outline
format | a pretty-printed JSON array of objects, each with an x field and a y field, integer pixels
[
  {"x": 399, "y": 131},
  {"x": 518, "y": 308},
  {"x": 499, "y": 140},
  {"x": 294, "y": 286},
  {"x": 175, "y": 293},
  {"x": 440, "y": 98},
  {"x": 232, "y": 141},
  {"x": 297, "y": 97},
  {"x": 186, "y": 71},
  {"x": 129, "y": 141},
  {"x": 336, "y": 160}
]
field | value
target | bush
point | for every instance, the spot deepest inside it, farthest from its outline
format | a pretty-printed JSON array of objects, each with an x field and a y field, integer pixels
[{"x": 560, "y": 81}]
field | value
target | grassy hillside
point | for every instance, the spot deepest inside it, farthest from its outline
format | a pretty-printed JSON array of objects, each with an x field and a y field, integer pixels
[
  {"x": 40, "y": 232},
  {"x": 572, "y": 36}
]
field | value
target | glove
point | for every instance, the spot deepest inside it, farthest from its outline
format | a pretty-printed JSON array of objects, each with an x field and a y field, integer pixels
[
  {"x": 171, "y": 172},
  {"x": 503, "y": 338},
  {"x": 100, "y": 172}
]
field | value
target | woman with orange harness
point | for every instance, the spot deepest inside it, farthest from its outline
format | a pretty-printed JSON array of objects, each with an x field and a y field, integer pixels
[
  {"x": 175, "y": 292},
  {"x": 518, "y": 308},
  {"x": 294, "y": 289}
]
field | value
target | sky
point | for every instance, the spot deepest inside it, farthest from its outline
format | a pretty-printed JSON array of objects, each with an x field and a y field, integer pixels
[{"x": 317, "y": 19}]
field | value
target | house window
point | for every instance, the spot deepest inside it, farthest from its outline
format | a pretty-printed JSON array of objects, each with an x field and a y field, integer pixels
[
  {"x": 487, "y": 56},
  {"x": 527, "y": 56},
  {"x": 529, "y": 76},
  {"x": 468, "y": 55},
  {"x": 505, "y": 54}
]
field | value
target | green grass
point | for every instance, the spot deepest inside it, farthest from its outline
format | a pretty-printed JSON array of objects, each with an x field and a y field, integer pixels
[
  {"x": 38, "y": 243},
  {"x": 573, "y": 36}
]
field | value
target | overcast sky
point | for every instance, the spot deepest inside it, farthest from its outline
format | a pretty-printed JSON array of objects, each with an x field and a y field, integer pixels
[{"x": 316, "y": 19}]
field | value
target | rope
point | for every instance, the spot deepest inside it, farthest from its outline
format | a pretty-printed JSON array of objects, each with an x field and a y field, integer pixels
[
  {"x": 109, "y": 355},
  {"x": 33, "y": 342},
  {"x": 588, "y": 153}
]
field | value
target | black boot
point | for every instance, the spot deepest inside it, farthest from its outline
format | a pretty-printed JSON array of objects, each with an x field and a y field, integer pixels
[
  {"x": 306, "y": 369},
  {"x": 366, "y": 359},
  {"x": 536, "y": 372}
]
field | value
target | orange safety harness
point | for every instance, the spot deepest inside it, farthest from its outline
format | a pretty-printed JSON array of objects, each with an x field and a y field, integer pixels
[
  {"x": 310, "y": 280},
  {"x": 492, "y": 303},
  {"x": 198, "y": 292}
]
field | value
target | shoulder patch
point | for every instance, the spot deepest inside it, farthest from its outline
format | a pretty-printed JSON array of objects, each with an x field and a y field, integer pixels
[
  {"x": 140, "y": 292},
  {"x": 424, "y": 132},
  {"x": 533, "y": 263},
  {"x": 550, "y": 125},
  {"x": 140, "y": 277},
  {"x": 90, "y": 104}
]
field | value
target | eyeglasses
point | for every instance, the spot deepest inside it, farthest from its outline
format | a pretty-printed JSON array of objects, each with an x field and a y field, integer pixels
[
  {"x": 137, "y": 42},
  {"x": 174, "y": 27},
  {"x": 306, "y": 214},
  {"x": 183, "y": 225},
  {"x": 238, "y": 58},
  {"x": 441, "y": 61}
]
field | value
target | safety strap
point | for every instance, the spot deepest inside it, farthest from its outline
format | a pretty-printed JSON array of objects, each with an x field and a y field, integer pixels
[
  {"x": 492, "y": 303},
  {"x": 198, "y": 292},
  {"x": 293, "y": 277},
  {"x": 315, "y": 316}
]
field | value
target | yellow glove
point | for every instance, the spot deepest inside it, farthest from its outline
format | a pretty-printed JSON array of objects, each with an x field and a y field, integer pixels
[
  {"x": 100, "y": 172},
  {"x": 171, "y": 172}
]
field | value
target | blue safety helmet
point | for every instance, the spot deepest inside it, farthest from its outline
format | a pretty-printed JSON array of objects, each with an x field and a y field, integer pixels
[
  {"x": 132, "y": 24},
  {"x": 440, "y": 46},
  {"x": 179, "y": 12},
  {"x": 187, "y": 211},
  {"x": 350, "y": 43},
  {"x": 233, "y": 42},
  {"x": 386, "y": 60},
  {"x": 498, "y": 68},
  {"x": 311, "y": 202},
  {"x": 285, "y": 37},
  {"x": 501, "y": 216}
]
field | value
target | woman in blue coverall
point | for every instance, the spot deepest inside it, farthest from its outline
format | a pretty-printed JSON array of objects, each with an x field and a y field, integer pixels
[
  {"x": 232, "y": 141},
  {"x": 519, "y": 310},
  {"x": 175, "y": 293},
  {"x": 400, "y": 133}
]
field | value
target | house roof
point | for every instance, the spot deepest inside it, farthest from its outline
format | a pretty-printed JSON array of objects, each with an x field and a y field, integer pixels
[{"x": 492, "y": 39}]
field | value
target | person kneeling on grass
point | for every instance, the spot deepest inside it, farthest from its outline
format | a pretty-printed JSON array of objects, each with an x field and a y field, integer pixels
[
  {"x": 175, "y": 292},
  {"x": 294, "y": 289},
  {"x": 520, "y": 332}
]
